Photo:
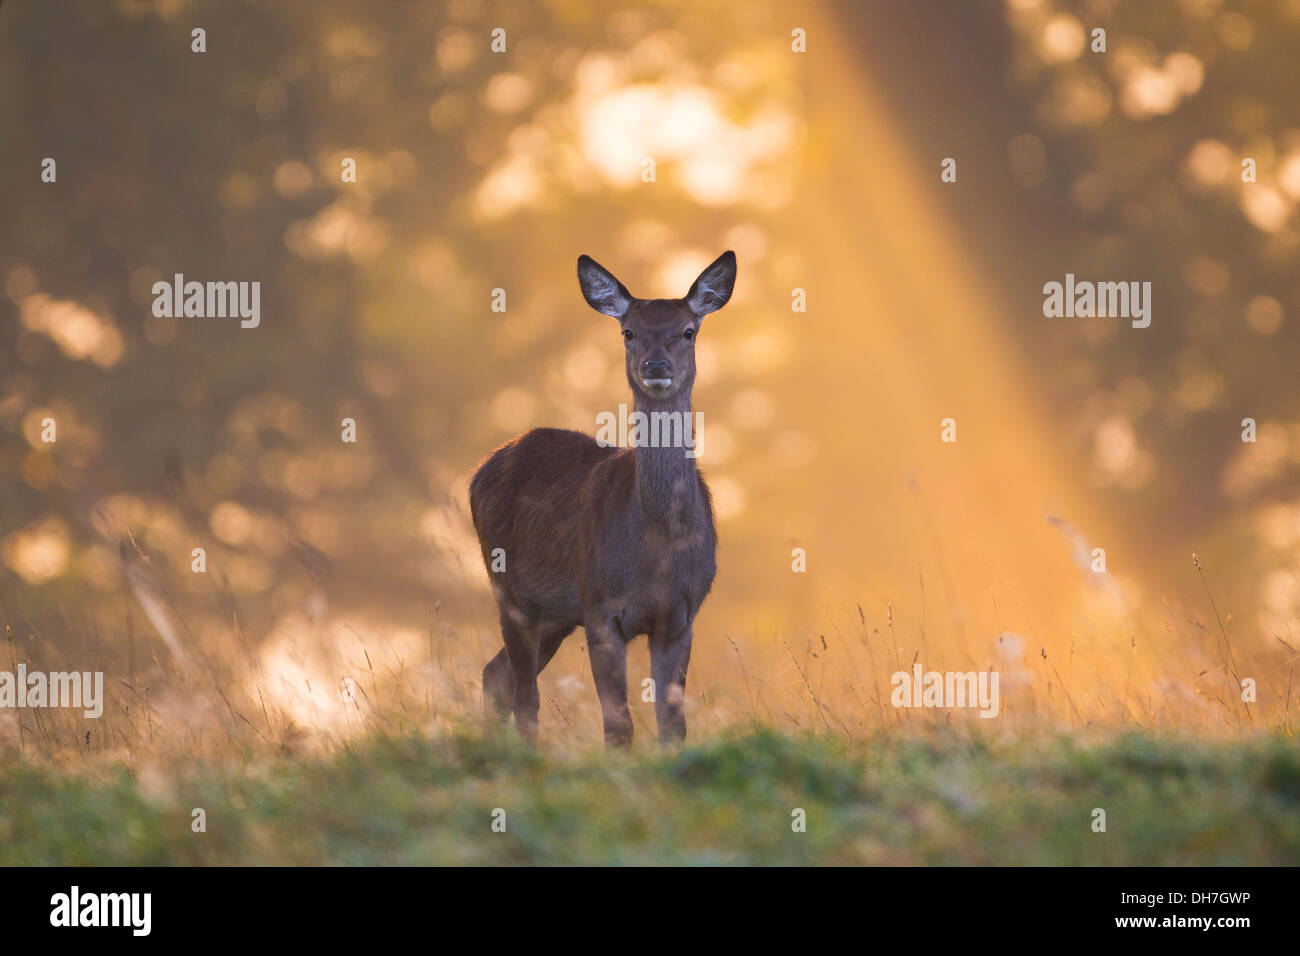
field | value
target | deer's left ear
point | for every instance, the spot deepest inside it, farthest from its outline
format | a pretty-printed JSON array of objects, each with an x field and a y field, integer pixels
[{"x": 713, "y": 287}]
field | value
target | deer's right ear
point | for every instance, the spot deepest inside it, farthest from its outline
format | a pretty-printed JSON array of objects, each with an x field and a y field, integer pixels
[{"x": 602, "y": 291}]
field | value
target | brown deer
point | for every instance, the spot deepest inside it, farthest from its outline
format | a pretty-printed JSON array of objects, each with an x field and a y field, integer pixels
[{"x": 619, "y": 540}]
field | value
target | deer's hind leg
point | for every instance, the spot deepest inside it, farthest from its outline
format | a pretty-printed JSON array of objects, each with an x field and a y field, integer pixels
[
  {"x": 529, "y": 647},
  {"x": 522, "y": 653},
  {"x": 499, "y": 676},
  {"x": 498, "y": 687}
]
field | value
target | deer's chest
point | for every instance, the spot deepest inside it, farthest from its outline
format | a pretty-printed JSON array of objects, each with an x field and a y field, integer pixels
[{"x": 657, "y": 579}]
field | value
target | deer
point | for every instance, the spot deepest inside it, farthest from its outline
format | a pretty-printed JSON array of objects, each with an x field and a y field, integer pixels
[{"x": 619, "y": 540}]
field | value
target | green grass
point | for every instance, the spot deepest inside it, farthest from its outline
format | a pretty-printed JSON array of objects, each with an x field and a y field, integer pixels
[{"x": 939, "y": 799}]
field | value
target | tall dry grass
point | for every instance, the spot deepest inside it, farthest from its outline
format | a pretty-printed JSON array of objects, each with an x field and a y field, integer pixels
[{"x": 178, "y": 689}]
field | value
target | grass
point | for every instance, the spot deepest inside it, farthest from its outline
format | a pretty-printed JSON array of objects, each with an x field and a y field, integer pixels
[
  {"x": 347, "y": 740},
  {"x": 934, "y": 798}
]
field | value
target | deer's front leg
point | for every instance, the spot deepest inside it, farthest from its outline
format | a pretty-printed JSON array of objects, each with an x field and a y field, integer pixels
[
  {"x": 608, "y": 653},
  {"x": 670, "y": 654}
]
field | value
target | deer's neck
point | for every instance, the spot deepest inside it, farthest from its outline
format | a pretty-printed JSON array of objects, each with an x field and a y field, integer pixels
[{"x": 667, "y": 483}]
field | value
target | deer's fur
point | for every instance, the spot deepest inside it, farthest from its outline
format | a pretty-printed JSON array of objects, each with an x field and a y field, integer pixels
[{"x": 619, "y": 540}]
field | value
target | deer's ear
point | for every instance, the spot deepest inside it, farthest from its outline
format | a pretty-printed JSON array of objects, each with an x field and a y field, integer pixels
[
  {"x": 602, "y": 291},
  {"x": 713, "y": 287}
]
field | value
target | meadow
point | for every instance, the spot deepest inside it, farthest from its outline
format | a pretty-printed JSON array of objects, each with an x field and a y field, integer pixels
[
  {"x": 243, "y": 756},
  {"x": 937, "y": 798}
]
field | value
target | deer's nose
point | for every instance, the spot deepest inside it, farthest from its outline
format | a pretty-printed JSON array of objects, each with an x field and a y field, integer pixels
[{"x": 657, "y": 368}]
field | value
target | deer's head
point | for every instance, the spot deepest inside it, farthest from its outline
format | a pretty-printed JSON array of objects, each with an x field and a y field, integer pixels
[{"x": 659, "y": 334}]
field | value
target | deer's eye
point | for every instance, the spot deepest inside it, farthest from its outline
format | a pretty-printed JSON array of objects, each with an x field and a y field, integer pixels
[
  {"x": 688, "y": 333},
  {"x": 628, "y": 335}
]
